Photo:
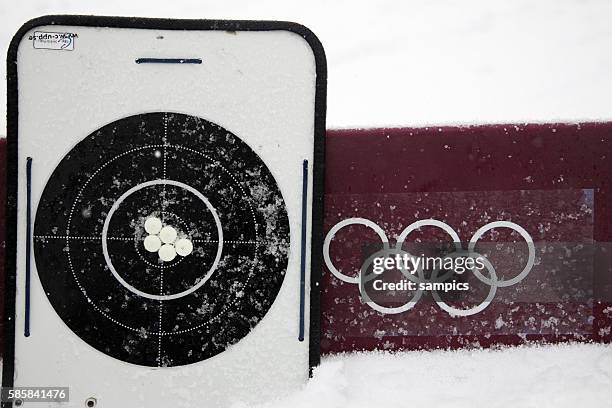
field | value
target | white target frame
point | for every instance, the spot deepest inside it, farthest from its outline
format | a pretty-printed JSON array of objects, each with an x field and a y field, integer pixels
[{"x": 250, "y": 72}]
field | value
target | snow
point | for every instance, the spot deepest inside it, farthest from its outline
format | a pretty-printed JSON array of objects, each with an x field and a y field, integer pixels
[
  {"x": 421, "y": 62},
  {"x": 559, "y": 376}
]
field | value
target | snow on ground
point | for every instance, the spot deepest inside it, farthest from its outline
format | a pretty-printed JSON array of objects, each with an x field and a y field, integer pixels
[
  {"x": 415, "y": 62},
  {"x": 577, "y": 375}
]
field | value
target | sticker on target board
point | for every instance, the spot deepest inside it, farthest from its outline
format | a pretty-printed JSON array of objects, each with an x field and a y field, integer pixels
[{"x": 169, "y": 200}]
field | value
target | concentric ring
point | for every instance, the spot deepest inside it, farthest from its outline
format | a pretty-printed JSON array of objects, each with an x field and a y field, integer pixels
[
  {"x": 89, "y": 219},
  {"x": 114, "y": 208}
]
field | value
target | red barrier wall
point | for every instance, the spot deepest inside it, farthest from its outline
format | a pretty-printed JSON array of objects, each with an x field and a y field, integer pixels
[{"x": 553, "y": 179}]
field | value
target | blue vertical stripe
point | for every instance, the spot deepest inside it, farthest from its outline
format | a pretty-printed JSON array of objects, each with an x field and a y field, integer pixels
[
  {"x": 303, "y": 253},
  {"x": 26, "y": 329}
]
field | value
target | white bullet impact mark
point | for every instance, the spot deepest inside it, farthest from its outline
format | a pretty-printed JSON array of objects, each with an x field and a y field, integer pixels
[
  {"x": 153, "y": 225},
  {"x": 167, "y": 234},
  {"x": 152, "y": 243},
  {"x": 167, "y": 253},
  {"x": 183, "y": 247}
]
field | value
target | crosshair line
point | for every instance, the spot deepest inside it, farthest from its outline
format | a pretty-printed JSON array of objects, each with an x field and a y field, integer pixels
[
  {"x": 159, "y": 328},
  {"x": 212, "y": 241},
  {"x": 80, "y": 238},
  {"x": 164, "y": 203}
]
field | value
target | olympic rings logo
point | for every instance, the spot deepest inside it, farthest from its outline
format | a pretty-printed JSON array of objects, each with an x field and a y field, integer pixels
[{"x": 493, "y": 281}]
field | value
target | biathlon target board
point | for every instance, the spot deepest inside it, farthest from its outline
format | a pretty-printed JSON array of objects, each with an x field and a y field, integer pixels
[
  {"x": 527, "y": 205},
  {"x": 166, "y": 207},
  {"x": 162, "y": 172}
]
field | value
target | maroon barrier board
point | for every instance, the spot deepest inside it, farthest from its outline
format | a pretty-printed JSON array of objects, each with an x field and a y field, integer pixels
[{"x": 537, "y": 197}]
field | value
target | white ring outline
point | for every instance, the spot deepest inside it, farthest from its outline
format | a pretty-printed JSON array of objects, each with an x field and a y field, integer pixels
[
  {"x": 332, "y": 232},
  {"x": 430, "y": 222},
  {"x": 530, "y": 245},
  {"x": 78, "y": 199},
  {"x": 453, "y": 311},
  {"x": 114, "y": 208},
  {"x": 391, "y": 310}
]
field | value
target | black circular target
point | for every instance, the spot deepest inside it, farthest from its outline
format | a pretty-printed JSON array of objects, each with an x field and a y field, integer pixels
[{"x": 161, "y": 239}]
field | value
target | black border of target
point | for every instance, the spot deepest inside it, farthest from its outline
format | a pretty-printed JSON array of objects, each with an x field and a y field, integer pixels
[{"x": 8, "y": 366}]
